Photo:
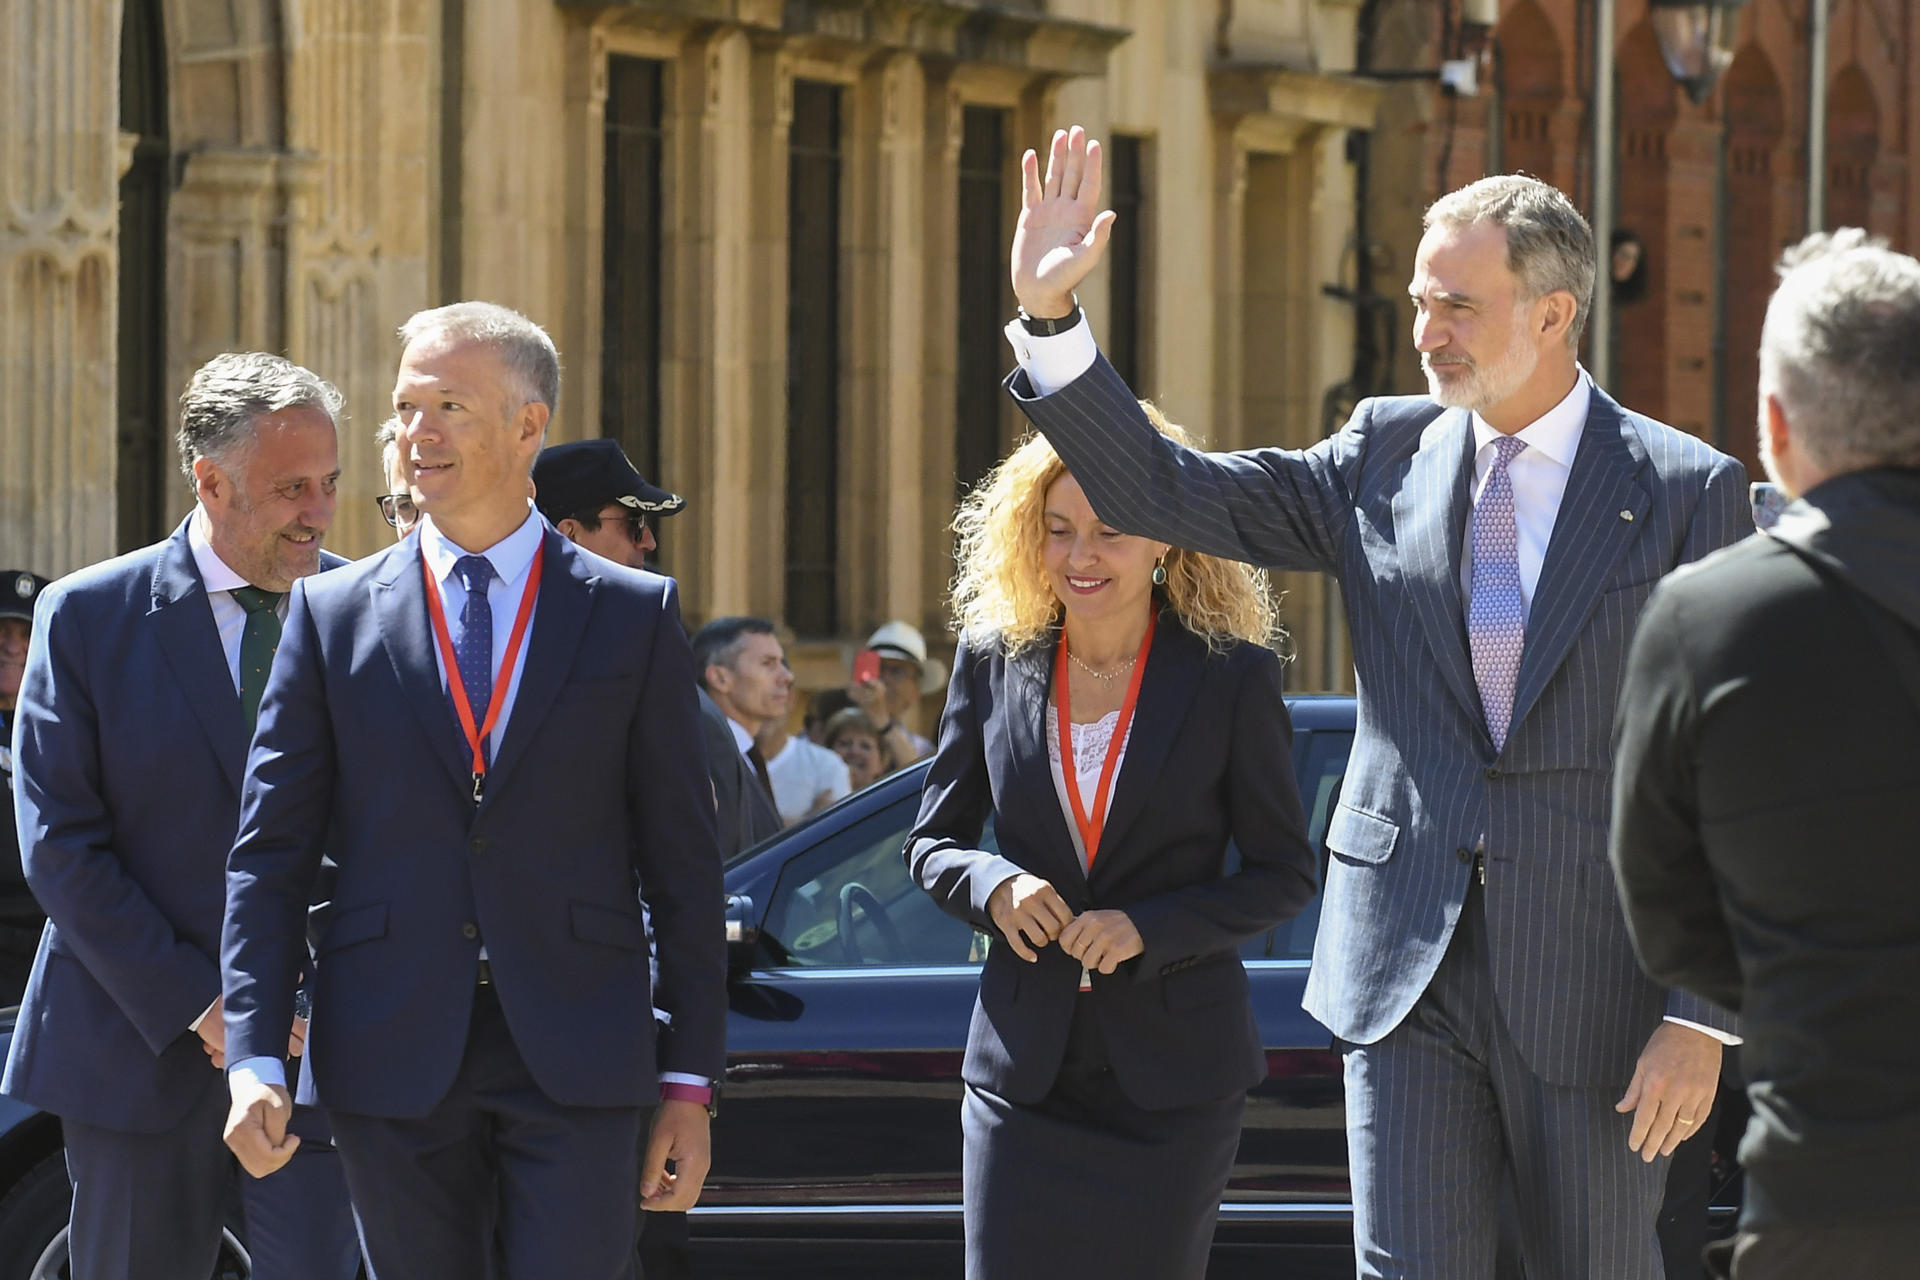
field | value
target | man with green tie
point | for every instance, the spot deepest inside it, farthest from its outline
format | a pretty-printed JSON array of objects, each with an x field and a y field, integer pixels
[{"x": 139, "y": 697}]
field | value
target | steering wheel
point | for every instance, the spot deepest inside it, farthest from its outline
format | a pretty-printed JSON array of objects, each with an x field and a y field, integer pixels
[{"x": 854, "y": 891}]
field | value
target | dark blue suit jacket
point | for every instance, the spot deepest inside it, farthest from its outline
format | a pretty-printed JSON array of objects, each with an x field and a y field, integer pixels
[
  {"x": 1208, "y": 761},
  {"x": 131, "y": 744},
  {"x": 600, "y": 783}
]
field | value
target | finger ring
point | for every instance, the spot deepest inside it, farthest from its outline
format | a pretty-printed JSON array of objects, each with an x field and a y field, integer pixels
[{"x": 1686, "y": 1122}]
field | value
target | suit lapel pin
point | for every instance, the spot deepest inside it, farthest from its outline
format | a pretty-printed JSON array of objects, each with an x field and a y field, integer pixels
[{"x": 1626, "y": 515}]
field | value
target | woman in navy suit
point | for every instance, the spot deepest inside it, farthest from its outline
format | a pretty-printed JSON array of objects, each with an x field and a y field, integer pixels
[{"x": 1113, "y": 1042}]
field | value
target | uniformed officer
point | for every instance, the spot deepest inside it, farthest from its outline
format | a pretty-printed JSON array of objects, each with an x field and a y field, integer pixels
[{"x": 20, "y": 916}]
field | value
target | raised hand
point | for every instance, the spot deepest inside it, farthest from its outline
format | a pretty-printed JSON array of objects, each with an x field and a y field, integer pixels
[{"x": 1062, "y": 230}]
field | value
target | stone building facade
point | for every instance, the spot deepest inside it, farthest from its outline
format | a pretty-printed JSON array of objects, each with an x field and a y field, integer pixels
[
  {"x": 1713, "y": 190},
  {"x": 769, "y": 237}
]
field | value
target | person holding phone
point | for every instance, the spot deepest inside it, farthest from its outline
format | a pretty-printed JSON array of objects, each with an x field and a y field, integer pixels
[
  {"x": 1115, "y": 706},
  {"x": 890, "y": 676}
]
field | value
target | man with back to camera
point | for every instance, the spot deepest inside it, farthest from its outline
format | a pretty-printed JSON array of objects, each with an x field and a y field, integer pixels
[
  {"x": 1494, "y": 542},
  {"x": 139, "y": 697},
  {"x": 590, "y": 492},
  {"x": 1767, "y": 794},
  {"x": 519, "y": 719}
]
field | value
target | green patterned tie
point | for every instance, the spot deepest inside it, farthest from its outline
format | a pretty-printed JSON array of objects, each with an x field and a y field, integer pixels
[{"x": 257, "y": 643}]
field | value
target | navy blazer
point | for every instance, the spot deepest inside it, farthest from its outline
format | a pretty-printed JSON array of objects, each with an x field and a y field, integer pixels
[
  {"x": 600, "y": 783},
  {"x": 1382, "y": 505},
  {"x": 131, "y": 745},
  {"x": 1208, "y": 762}
]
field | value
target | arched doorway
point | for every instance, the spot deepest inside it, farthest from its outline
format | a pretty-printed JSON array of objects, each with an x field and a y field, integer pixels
[
  {"x": 141, "y": 437},
  {"x": 1648, "y": 108},
  {"x": 1853, "y": 144},
  {"x": 1531, "y": 61},
  {"x": 1754, "y": 203}
]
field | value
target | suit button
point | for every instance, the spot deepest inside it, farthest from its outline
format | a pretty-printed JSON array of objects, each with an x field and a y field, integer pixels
[
  {"x": 1465, "y": 855},
  {"x": 478, "y": 844},
  {"x": 469, "y": 930},
  {"x": 1492, "y": 774}
]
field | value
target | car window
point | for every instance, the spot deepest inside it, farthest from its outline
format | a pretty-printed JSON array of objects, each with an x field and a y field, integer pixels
[
  {"x": 849, "y": 902},
  {"x": 1319, "y": 762}
]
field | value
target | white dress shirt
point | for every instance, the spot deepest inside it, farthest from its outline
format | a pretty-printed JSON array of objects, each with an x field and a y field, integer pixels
[
  {"x": 229, "y": 620},
  {"x": 512, "y": 560},
  {"x": 1539, "y": 471},
  {"x": 801, "y": 772},
  {"x": 229, "y": 616}
]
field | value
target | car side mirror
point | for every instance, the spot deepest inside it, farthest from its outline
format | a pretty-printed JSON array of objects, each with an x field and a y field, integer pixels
[{"x": 743, "y": 933}]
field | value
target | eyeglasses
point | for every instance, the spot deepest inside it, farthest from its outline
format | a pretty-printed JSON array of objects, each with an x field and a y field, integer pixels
[
  {"x": 634, "y": 521},
  {"x": 397, "y": 509}
]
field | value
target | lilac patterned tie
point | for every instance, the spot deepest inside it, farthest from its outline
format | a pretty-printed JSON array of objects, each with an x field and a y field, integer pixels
[
  {"x": 473, "y": 647},
  {"x": 1497, "y": 612}
]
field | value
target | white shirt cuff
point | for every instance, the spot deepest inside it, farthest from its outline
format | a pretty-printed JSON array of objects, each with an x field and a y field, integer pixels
[
  {"x": 1053, "y": 362},
  {"x": 194, "y": 1026},
  {"x": 1724, "y": 1037},
  {"x": 257, "y": 1071},
  {"x": 681, "y": 1077}
]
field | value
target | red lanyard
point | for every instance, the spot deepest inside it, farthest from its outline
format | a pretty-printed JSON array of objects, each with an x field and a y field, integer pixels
[
  {"x": 475, "y": 737},
  {"x": 1091, "y": 828}
]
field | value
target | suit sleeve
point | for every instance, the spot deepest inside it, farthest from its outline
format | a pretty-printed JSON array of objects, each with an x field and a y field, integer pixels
[
  {"x": 273, "y": 870},
  {"x": 1666, "y": 886},
  {"x": 942, "y": 850},
  {"x": 1285, "y": 509},
  {"x": 1725, "y": 513},
  {"x": 1278, "y": 870},
  {"x": 160, "y": 981},
  {"x": 677, "y": 854}
]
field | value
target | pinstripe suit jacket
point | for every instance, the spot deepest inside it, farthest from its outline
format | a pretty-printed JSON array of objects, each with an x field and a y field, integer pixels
[{"x": 1382, "y": 505}]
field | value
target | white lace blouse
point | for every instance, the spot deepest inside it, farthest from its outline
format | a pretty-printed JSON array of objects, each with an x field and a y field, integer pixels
[{"x": 1090, "y": 743}]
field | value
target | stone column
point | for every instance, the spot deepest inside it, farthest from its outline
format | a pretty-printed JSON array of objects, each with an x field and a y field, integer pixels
[
  {"x": 59, "y": 180},
  {"x": 885, "y": 442}
]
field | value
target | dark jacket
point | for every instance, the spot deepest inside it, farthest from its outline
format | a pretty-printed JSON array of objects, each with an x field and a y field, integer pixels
[
  {"x": 743, "y": 809},
  {"x": 1207, "y": 763},
  {"x": 1766, "y": 832},
  {"x": 599, "y": 779}
]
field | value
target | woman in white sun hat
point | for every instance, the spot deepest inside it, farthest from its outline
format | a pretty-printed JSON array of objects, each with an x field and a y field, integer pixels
[{"x": 906, "y": 675}]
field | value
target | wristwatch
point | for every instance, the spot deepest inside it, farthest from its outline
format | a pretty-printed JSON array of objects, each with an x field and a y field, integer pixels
[
  {"x": 708, "y": 1095},
  {"x": 1044, "y": 327}
]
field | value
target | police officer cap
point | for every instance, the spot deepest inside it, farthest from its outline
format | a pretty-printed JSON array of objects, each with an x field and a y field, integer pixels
[
  {"x": 585, "y": 475},
  {"x": 19, "y": 590}
]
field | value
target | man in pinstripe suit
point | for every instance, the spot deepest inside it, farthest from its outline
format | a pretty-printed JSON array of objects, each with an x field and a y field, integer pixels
[{"x": 1495, "y": 541}]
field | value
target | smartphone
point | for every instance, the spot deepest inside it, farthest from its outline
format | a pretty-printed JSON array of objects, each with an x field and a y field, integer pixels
[
  {"x": 1769, "y": 500},
  {"x": 866, "y": 666}
]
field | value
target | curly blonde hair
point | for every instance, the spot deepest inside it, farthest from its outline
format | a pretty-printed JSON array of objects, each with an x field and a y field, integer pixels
[{"x": 1001, "y": 587}]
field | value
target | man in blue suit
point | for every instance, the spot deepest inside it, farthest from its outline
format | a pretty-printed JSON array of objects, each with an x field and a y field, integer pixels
[
  {"x": 1494, "y": 542},
  {"x": 493, "y": 734},
  {"x": 141, "y": 688}
]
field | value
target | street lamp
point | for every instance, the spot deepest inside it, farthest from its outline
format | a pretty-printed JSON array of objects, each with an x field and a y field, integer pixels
[{"x": 1696, "y": 41}]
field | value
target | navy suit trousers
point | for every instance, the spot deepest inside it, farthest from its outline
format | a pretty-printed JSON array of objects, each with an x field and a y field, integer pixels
[
  {"x": 1443, "y": 1109},
  {"x": 498, "y": 1179}
]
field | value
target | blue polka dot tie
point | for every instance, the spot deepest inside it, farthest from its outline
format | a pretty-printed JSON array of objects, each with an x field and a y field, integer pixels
[
  {"x": 473, "y": 647},
  {"x": 1497, "y": 612}
]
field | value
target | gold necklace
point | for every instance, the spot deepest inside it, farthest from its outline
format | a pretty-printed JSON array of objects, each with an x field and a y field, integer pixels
[{"x": 1114, "y": 674}]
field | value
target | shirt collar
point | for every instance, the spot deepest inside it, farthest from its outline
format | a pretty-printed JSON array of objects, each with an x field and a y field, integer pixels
[
  {"x": 214, "y": 573},
  {"x": 741, "y": 738},
  {"x": 1555, "y": 433},
  {"x": 510, "y": 557}
]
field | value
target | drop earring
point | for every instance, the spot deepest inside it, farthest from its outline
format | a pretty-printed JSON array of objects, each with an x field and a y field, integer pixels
[{"x": 1160, "y": 572}]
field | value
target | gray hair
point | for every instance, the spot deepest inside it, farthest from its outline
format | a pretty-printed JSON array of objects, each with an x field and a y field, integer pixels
[
  {"x": 1840, "y": 350},
  {"x": 1549, "y": 245},
  {"x": 387, "y": 436},
  {"x": 721, "y": 642},
  {"x": 231, "y": 392},
  {"x": 531, "y": 359}
]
